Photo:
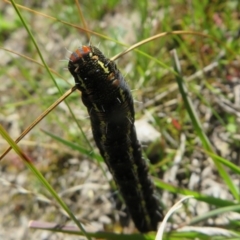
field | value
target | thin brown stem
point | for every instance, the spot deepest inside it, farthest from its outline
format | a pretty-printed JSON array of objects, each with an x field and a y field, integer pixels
[{"x": 39, "y": 118}]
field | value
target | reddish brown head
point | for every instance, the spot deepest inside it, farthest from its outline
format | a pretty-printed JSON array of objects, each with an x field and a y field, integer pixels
[{"x": 79, "y": 53}]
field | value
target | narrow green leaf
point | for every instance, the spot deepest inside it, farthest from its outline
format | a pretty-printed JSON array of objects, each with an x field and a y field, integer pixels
[
  {"x": 73, "y": 146},
  {"x": 198, "y": 127},
  {"x": 208, "y": 199},
  {"x": 40, "y": 177}
]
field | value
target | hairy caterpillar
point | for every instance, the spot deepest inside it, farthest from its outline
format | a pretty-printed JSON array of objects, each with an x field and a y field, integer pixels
[{"x": 110, "y": 106}]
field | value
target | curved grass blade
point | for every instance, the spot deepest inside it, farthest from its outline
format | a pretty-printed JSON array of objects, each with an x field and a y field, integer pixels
[{"x": 173, "y": 209}]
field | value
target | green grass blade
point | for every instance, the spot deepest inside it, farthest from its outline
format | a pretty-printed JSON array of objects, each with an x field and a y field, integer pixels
[
  {"x": 225, "y": 162},
  {"x": 215, "y": 212},
  {"x": 73, "y": 146},
  {"x": 46, "y": 66},
  {"x": 198, "y": 127},
  {"x": 208, "y": 199},
  {"x": 40, "y": 177},
  {"x": 34, "y": 42}
]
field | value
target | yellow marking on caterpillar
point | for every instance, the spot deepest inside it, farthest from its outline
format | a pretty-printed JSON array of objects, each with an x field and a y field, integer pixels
[
  {"x": 105, "y": 69},
  {"x": 103, "y": 141},
  {"x": 95, "y": 107},
  {"x": 103, "y": 127},
  {"x": 103, "y": 138},
  {"x": 139, "y": 188},
  {"x": 122, "y": 95},
  {"x": 135, "y": 168},
  {"x": 82, "y": 83}
]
